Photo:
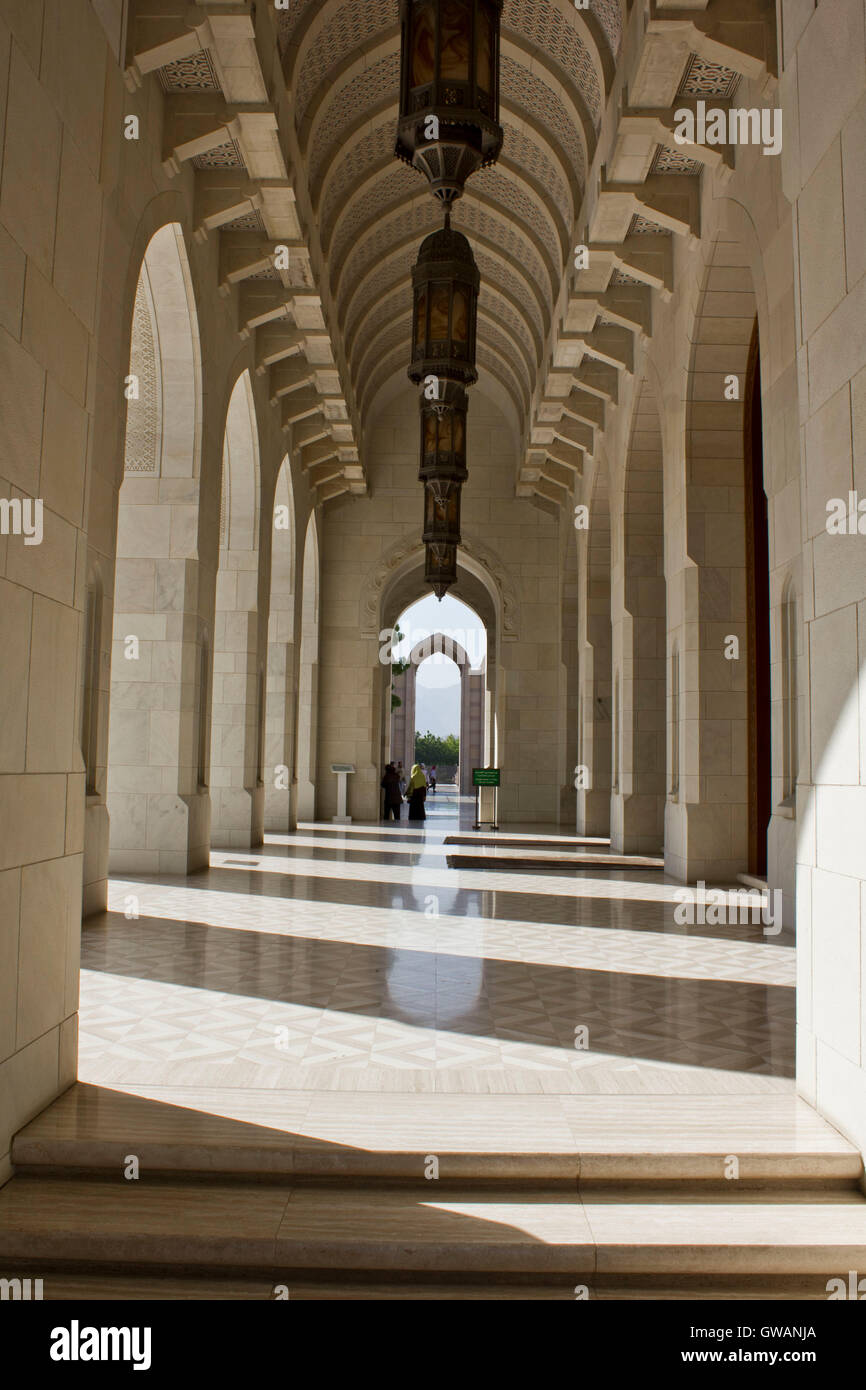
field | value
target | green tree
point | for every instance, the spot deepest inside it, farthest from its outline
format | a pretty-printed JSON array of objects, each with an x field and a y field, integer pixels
[
  {"x": 431, "y": 749},
  {"x": 397, "y": 668}
]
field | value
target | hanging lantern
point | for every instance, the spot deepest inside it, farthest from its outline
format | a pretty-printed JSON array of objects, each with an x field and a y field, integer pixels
[
  {"x": 443, "y": 435},
  {"x": 449, "y": 90},
  {"x": 444, "y": 322},
  {"x": 441, "y": 533},
  {"x": 441, "y": 513},
  {"x": 441, "y": 568}
]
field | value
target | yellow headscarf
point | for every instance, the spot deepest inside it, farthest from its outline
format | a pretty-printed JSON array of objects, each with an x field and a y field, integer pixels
[{"x": 416, "y": 780}]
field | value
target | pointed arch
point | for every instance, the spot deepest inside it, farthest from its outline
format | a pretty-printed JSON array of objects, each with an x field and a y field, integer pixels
[
  {"x": 639, "y": 637},
  {"x": 473, "y": 734},
  {"x": 280, "y": 719},
  {"x": 308, "y": 683},
  {"x": 156, "y": 807},
  {"x": 596, "y": 731},
  {"x": 237, "y": 710}
]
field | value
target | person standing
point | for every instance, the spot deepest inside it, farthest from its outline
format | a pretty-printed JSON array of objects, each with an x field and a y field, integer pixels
[
  {"x": 417, "y": 793},
  {"x": 431, "y": 778},
  {"x": 390, "y": 785},
  {"x": 401, "y": 773}
]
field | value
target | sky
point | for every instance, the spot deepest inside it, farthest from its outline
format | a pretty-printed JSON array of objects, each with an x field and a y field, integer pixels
[{"x": 437, "y": 687}]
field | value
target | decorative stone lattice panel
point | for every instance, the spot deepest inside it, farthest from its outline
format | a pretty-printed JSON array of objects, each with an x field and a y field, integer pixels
[
  {"x": 641, "y": 226},
  {"x": 399, "y": 333},
  {"x": 498, "y": 274},
  {"x": 407, "y": 222},
  {"x": 620, "y": 277},
  {"x": 143, "y": 417},
  {"x": 248, "y": 222},
  {"x": 289, "y": 20},
  {"x": 470, "y": 217},
  {"x": 372, "y": 149},
  {"x": 491, "y": 337},
  {"x": 270, "y": 273},
  {"x": 503, "y": 373},
  {"x": 548, "y": 29},
  {"x": 398, "y": 186},
  {"x": 380, "y": 80},
  {"x": 609, "y": 16},
  {"x": 524, "y": 89},
  {"x": 496, "y": 185},
  {"x": 384, "y": 369},
  {"x": 227, "y": 156},
  {"x": 397, "y": 308},
  {"x": 333, "y": 39},
  {"x": 523, "y": 151},
  {"x": 668, "y": 161},
  {"x": 395, "y": 269},
  {"x": 194, "y": 74},
  {"x": 503, "y": 313},
  {"x": 703, "y": 79}
]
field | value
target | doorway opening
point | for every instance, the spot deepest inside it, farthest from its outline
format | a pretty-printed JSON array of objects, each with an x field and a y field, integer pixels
[{"x": 439, "y": 691}]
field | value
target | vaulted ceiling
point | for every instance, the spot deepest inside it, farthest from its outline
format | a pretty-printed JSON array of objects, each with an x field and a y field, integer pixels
[{"x": 341, "y": 62}]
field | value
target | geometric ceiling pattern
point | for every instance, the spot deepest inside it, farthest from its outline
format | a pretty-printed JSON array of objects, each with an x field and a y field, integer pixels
[
  {"x": 341, "y": 63},
  {"x": 315, "y": 165}
]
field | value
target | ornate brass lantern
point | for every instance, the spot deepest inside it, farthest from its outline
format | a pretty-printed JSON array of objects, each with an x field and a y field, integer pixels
[
  {"x": 444, "y": 323},
  {"x": 443, "y": 472},
  {"x": 449, "y": 90},
  {"x": 443, "y": 435},
  {"x": 441, "y": 513},
  {"x": 441, "y": 567}
]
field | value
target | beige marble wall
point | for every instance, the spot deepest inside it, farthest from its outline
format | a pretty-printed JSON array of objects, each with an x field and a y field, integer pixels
[
  {"x": 50, "y": 209},
  {"x": 79, "y": 205},
  {"x": 824, "y": 94}
]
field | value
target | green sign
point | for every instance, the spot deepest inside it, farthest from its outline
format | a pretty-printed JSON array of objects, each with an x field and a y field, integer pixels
[{"x": 485, "y": 777}]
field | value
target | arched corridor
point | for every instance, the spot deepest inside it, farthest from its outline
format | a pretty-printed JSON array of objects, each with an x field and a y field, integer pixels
[{"x": 542, "y": 441}]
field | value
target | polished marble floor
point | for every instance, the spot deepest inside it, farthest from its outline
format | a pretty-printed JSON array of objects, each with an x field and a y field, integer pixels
[{"x": 359, "y": 959}]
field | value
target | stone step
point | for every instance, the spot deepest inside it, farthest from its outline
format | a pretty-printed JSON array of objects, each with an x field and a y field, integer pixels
[
  {"x": 388, "y": 1138},
  {"x": 65, "y": 1285},
  {"x": 503, "y": 858},
  {"x": 283, "y": 1232},
  {"x": 557, "y": 844}
]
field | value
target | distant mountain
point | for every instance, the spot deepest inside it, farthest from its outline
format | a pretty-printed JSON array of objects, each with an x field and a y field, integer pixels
[{"x": 438, "y": 710}]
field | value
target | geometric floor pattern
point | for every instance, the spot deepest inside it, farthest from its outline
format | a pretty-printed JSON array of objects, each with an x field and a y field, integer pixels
[{"x": 358, "y": 959}]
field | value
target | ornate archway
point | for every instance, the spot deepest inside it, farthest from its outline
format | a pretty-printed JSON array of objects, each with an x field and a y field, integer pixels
[{"x": 472, "y": 706}]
